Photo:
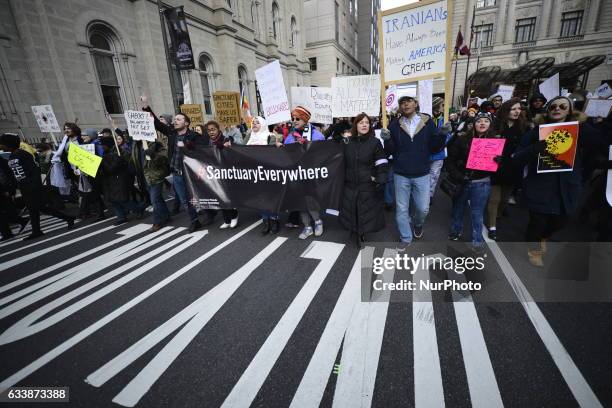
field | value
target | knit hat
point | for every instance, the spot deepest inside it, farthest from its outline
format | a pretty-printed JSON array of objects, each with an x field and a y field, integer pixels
[
  {"x": 484, "y": 115},
  {"x": 556, "y": 98},
  {"x": 535, "y": 96},
  {"x": 301, "y": 112},
  {"x": 406, "y": 98},
  {"x": 10, "y": 140},
  {"x": 473, "y": 109},
  {"x": 92, "y": 133},
  {"x": 437, "y": 101}
]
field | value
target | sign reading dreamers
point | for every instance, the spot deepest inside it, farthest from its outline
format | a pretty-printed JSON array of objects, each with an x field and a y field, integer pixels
[{"x": 414, "y": 42}]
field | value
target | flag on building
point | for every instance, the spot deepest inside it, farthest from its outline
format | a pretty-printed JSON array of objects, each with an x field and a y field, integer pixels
[
  {"x": 246, "y": 109},
  {"x": 460, "y": 45}
]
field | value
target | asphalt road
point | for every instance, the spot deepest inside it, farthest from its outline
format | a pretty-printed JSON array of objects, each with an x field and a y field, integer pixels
[{"x": 233, "y": 318}]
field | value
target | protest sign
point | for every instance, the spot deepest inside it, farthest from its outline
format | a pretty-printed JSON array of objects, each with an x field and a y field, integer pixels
[
  {"x": 598, "y": 108},
  {"x": 609, "y": 181},
  {"x": 352, "y": 95},
  {"x": 317, "y": 100},
  {"x": 140, "y": 125},
  {"x": 603, "y": 91},
  {"x": 273, "y": 93},
  {"x": 482, "y": 153},
  {"x": 391, "y": 99},
  {"x": 84, "y": 160},
  {"x": 425, "y": 90},
  {"x": 297, "y": 177},
  {"x": 414, "y": 41},
  {"x": 561, "y": 143},
  {"x": 505, "y": 91},
  {"x": 227, "y": 107},
  {"x": 195, "y": 113},
  {"x": 550, "y": 87},
  {"x": 47, "y": 122}
]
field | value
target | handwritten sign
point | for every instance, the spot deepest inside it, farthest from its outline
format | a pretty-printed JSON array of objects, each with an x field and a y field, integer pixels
[
  {"x": 598, "y": 108},
  {"x": 140, "y": 125},
  {"x": 561, "y": 144},
  {"x": 194, "y": 111},
  {"x": 317, "y": 100},
  {"x": 482, "y": 153},
  {"x": 227, "y": 107},
  {"x": 273, "y": 94},
  {"x": 425, "y": 91},
  {"x": 84, "y": 160},
  {"x": 550, "y": 87},
  {"x": 505, "y": 91},
  {"x": 47, "y": 122},
  {"x": 355, "y": 94},
  {"x": 414, "y": 42}
]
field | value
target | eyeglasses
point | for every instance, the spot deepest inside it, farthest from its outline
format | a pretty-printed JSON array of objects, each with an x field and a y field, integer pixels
[
  {"x": 296, "y": 118},
  {"x": 560, "y": 106}
]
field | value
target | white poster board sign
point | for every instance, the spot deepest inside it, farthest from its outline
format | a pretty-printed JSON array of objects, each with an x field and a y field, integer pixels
[
  {"x": 598, "y": 108},
  {"x": 273, "y": 93},
  {"x": 47, "y": 122},
  {"x": 355, "y": 94},
  {"x": 391, "y": 98},
  {"x": 140, "y": 125},
  {"x": 505, "y": 91},
  {"x": 603, "y": 91},
  {"x": 318, "y": 100},
  {"x": 425, "y": 91},
  {"x": 550, "y": 87},
  {"x": 414, "y": 42}
]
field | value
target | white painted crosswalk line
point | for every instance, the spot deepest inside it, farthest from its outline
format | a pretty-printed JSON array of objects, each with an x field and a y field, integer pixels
[
  {"x": 247, "y": 387},
  {"x": 313, "y": 383},
  {"x": 428, "y": 389},
  {"x": 198, "y": 314},
  {"x": 362, "y": 346}
]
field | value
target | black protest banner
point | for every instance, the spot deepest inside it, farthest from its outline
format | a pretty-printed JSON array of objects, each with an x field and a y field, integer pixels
[
  {"x": 179, "y": 36},
  {"x": 292, "y": 177}
]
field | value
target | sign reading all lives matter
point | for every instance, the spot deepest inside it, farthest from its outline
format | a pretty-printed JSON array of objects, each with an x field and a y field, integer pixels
[
  {"x": 273, "y": 93},
  {"x": 317, "y": 100},
  {"x": 352, "y": 95},
  {"x": 45, "y": 118},
  {"x": 140, "y": 125},
  {"x": 414, "y": 42}
]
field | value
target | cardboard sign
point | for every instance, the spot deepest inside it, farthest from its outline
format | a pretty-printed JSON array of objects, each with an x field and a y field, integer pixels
[
  {"x": 598, "y": 108},
  {"x": 425, "y": 92},
  {"x": 84, "y": 160},
  {"x": 550, "y": 87},
  {"x": 482, "y": 153},
  {"x": 47, "y": 122},
  {"x": 505, "y": 91},
  {"x": 355, "y": 94},
  {"x": 414, "y": 42},
  {"x": 561, "y": 143},
  {"x": 603, "y": 91},
  {"x": 273, "y": 94},
  {"x": 140, "y": 125},
  {"x": 195, "y": 113},
  {"x": 227, "y": 108},
  {"x": 317, "y": 100}
]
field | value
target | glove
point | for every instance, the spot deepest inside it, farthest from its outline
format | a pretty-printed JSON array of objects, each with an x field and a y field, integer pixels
[
  {"x": 385, "y": 134},
  {"x": 498, "y": 159},
  {"x": 539, "y": 146}
]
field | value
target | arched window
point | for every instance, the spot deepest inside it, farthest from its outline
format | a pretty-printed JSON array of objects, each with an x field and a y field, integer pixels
[
  {"x": 275, "y": 20},
  {"x": 104, "y": 53},
  {"x": 293, "y": 33},
  {"x": 206, "y": 70},
  {"x": 243, "y": 82}
]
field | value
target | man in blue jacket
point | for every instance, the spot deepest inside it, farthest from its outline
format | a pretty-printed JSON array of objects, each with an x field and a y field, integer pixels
[{"x": 413, "y": 138}]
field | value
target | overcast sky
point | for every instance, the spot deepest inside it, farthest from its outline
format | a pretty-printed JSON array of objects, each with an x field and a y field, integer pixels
[{"x": 387, "y": 4}]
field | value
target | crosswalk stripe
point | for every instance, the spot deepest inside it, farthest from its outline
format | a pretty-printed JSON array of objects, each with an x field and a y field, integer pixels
[
  {"x": 247, "y": 387},
  {"x": 362, "y": 345}
]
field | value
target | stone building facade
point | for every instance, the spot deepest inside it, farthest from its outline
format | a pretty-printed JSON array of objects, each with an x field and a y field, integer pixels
[{"x": 85, "y": 57}]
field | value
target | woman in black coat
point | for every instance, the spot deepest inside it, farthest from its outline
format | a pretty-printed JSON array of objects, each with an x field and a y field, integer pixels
[
  {"x": 552, "y": 197},
  {"x": 365, "y": 170}
]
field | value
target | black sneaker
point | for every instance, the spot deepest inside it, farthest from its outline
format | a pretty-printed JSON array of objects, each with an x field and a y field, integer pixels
[
  {"x": 70, "y": 222},
  {"x": 454, "y": 236},
  {"x": 418, "y": 232},
  {"x": 266, "y": 227},
  {"x": 492, "y": 235},
  {"x": 275, "y": 226},
  {"x": 195, "y": 225}
]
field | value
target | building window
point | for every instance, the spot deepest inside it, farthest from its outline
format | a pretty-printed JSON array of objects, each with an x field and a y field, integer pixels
[
  {"x": 293, "y": 32},
  {"x": 525, "y": 30},
  {"x": 337, "y": 64},
  {"x": 243, "y": 82},
  {"x": 485, "y": 3},
  {"x": 313, "y": 63},
  {"x": 571, "y": 23},
  {"x": 336, "y": 19},
  {"x": 484, "y": 35},
  {"x": 104, "y": 54},
  {"x": 275, "y": 21},
  {"x": 206, "y": 70}
]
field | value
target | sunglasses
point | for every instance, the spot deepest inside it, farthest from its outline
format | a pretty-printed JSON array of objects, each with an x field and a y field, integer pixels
[
  {"x": 562, "y": 106},
  {"x": 296, "y": 119}
]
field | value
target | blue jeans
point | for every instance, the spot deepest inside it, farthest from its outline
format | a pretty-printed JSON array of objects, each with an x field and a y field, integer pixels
[
  {"x": 121, "y": 208},
  {"x": 406, "y": 188},
  {"x": 389, "y": 188},
  {"x": 478, "y": 195},
  {"x": 181, "y": 194},
  {"x": 160, "y": 209},
  {"x": 267, "y": 215}
]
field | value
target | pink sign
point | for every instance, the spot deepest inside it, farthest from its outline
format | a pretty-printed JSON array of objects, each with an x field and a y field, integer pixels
[{"x": 482, "y": 153}]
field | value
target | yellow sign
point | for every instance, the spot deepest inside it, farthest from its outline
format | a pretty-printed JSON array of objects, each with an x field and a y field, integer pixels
[
  {"x": 195, "y": 113},
  {"x": 87, "y": 162},
  {"x": 227, "y": 107}
]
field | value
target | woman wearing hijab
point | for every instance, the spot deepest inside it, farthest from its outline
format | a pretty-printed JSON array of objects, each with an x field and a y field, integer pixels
[{"x": 259, "y": 135}]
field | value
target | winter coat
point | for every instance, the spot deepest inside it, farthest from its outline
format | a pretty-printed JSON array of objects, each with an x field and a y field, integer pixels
[
  {"x": 361, "y": 209},
  {"x": 115, "y": 175},
  {"x": 458, "y": 152},
  {"x": 509, "y": 173},
  {"x": 556, "y": 192},
  {"x": 315, "y": 136},
  {"x": 157, "y": 168},
  {"x": 26, "y": 172},
  {"x": 8, "y": 184},
  {"x": 439, "y": 122}
]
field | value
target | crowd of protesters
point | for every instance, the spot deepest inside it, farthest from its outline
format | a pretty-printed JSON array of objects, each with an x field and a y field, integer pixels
[{"x": 399, "y": 168}]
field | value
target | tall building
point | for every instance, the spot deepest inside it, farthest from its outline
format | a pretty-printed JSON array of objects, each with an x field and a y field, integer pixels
[
  {"x": 368, "y": 35},
  {"x": 87, "y": 57}
]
